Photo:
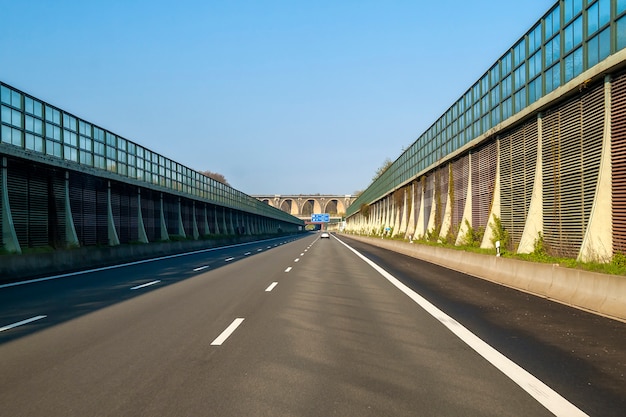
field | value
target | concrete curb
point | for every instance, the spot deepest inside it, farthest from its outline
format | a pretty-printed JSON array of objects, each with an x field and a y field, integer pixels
[{"x": 590, "y": 291}]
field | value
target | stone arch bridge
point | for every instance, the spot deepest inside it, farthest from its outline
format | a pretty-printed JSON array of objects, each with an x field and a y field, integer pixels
[{"x": 302, "y": 205}]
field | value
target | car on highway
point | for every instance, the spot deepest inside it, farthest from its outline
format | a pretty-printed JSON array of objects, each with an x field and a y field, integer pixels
[{"x": 325, "y": 235}]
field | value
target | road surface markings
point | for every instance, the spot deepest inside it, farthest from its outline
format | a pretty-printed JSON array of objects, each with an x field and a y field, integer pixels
[
  {"x": 247, "y": 253},
  {"x": 302, "y": 254},
  {"x": 297, "y": 260},
  {"x": 288, "y": 269},
  {"x": 226, "y": 333},
  {"x": 545, "y": 395},
  {"x": 124, "y": 265},
  {"x": 271, "y": 287},
  {"x": 228, "y": 259},
  {"x": 145, "y": 285},
  {"x": 259, "y": 250},
  {"x": 201, "y": 268},
  {"x": 21, "y": 323}
]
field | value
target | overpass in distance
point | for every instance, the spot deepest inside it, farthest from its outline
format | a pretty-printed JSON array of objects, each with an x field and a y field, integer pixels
[{"x": 303, "y": 205}]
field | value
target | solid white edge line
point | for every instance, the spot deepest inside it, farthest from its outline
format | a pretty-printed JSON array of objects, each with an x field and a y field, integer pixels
[
  {"x": 226, "y": 333},
  {"x": 271, "y": 287},
  {"x": 288, "y": 269},
  {"x": 545, "y": 395},
  {"x": 21, "y": 323},
  {"x": 145, "y": 285},
  {"x": 106, "y": 268}
]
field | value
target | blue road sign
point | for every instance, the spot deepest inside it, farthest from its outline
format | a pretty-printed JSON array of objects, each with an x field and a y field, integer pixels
[{"x": 320, "y": 218}]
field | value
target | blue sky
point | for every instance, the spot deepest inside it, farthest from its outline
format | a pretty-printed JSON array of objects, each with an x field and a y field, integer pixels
[{"x": 281, "y": 97}]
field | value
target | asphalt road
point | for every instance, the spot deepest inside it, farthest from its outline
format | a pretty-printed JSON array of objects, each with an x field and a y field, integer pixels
[{"x": 300, "y": 328}]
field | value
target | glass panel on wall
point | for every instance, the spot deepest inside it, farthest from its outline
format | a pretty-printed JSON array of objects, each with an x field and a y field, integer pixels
[
  {"x": 10, "y": 97},
  {"x": 553, "y": 22},
  {"x": 520, "y": 100},
  {"x": 507, "y": 108},
  {"x": 535, "y": 64},
  {"x": 534, "y": 39},
  {"x": 11, "y": 136},
  {"x": 495, "y": 116},
  {"x": 495, "y": 74},
  {"x": 599, "y": 47},
  {"x": 53, "y": 115},
  {"x": 573, "y": 64},
  {"x": 34, "y": 143},
  {"x": 495, "y": 96},
  {"x": 11, "y": 116},
  {"x": 33, "y": 107},
  {"x": 553, "y": 78},
  {"x": 69, "y": 122},
  {"x": 553, "y": 50},
  {"x": 621, "y": 33},
  {"x": 34, "y": 125},
  {"x": 506, "y": 87},
  {"x": 573, "y": 35},
  {"x": 534, "y": 90},
  {"x": 506, "y": 64},
  {"x": 571, "y": 8},
  {"x": 519, "y": 53},
  {"x": 598, "y": 15},
  {"x": 520, "y": 77}
]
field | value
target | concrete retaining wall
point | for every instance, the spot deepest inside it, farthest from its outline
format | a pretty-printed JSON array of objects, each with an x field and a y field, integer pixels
[{"x": 598, "y": 293}]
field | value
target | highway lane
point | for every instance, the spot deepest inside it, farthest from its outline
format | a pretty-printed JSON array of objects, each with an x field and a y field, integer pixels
[
  {"x": 319, "y": 332},
  {"x": 59, "y": 298}
]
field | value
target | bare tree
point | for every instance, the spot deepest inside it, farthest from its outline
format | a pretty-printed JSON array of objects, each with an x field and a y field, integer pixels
[
  {"x": 384, "y": 167},
  {"x": 217, "y": 177}
]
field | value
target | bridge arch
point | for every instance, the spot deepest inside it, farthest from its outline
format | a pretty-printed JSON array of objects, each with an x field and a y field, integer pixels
[{"x": 304, "y": 205}]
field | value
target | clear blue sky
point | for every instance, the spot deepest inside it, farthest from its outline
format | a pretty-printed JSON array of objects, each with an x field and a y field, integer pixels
[{"x": 281, "y": 97}]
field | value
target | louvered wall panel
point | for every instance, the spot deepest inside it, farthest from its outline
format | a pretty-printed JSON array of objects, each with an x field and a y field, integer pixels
[
  {"x": 102, "y": 214},
  {"x": 1, "y": 206},
  {"x": 133, "y": 217},
  {"x": 116, "y": 209},
  {"x": 170, "y": 207},
  {"x": 83, "y": 203},
  {"x": 518, "y": 153},
  {"x": 37, "y": 207},
  {"x": 150, "y": 211},
  {"x": 460, "y": 175},
  {"x": 17, "y": 184},
  {"x": 484, "y": 164},
  {"x": 442, "y": 176},
  {"x": 200, "y": 217},
  {"x": 428, "y": 198},
  {"x": 57, "y": 218},
  {"x": 187, "y": 215},
  {"x": 124, "y": 200},
  {"x": 618, "y": 161},
  {"x": 417, "y": 196},
  {"x": 571, "y": 153}
]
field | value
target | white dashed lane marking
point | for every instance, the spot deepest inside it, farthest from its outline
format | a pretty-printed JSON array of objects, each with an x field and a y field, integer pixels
[
  {"x": 226, "y": 333},
  {"x": 145, "y": 285}
]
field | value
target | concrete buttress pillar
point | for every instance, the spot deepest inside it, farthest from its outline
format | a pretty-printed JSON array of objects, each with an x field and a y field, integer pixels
[{"x": 9, "y": 237}]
